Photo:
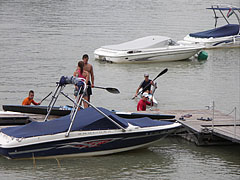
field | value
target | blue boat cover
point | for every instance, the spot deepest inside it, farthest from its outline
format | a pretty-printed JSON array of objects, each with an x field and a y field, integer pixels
[
  {"x": 86, "y": 119},
  {"x": 227, "y": 30}
]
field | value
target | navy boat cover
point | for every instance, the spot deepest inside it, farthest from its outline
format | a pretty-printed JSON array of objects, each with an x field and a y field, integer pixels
[
  {"x": 227, "y": 30},
  {"x": 86, "y": 119}
]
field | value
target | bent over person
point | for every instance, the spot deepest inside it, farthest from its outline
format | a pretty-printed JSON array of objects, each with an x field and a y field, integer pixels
[
  {"x": 81, "y": 73},
  {"x": 142, "y": 104},
  {"x": 29, "y": 100}
]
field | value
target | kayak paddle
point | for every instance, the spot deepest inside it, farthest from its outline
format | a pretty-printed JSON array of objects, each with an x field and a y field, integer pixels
[
  {"x": 45, "y": 97},
  {"x": 109, "y": 89},
  {"x": 160, "y": 74}
]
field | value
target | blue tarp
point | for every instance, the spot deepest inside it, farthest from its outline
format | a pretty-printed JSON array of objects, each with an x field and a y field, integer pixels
[
  {"x": 86, "y": 119},
  {"x": 227, "y": 30}
]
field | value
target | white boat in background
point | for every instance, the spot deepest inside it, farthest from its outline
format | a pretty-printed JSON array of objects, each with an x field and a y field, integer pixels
[
  {"x": 147, "y": 49},
  {"x": 223, "y": 36}
]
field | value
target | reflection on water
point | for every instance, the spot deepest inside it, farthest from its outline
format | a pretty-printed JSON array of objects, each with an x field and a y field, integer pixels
[{"x": 168, "y": 159}]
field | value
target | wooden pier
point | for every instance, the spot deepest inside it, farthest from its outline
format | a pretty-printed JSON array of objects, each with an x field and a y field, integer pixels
[{"x": 205, "y": 127}]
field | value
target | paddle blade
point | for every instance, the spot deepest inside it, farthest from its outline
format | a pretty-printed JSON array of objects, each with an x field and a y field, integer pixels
[
  {"x": 113, "y": 90},
  {"x": 161, "y": 73}
]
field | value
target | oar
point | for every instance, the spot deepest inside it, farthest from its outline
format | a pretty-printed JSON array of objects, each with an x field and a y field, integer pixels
[
  {"x": 160, "y": 74},
  {"x": 109, "y": 89},
  {"x": 45, "y": 97}
]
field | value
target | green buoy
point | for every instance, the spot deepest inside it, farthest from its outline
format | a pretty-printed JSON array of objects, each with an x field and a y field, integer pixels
[{"x": 203, "y": 55}]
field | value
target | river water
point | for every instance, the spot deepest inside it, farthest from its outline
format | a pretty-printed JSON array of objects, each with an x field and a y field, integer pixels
[{"x": 42, "y": 40}]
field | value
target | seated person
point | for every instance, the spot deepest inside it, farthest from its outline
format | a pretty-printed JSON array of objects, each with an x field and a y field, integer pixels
[
  {"x": 145, "y": 85},
  {"x": 29, "y": 100}
]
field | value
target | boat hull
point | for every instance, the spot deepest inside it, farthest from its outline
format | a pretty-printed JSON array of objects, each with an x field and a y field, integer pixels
[
  {"x": 79, "y": 144},
  {"x": 154, "y": 56},
  {"x": 62, "y": 112},
  {"x": 58, "y": 111},
  {"x": 212, "y": 43}
]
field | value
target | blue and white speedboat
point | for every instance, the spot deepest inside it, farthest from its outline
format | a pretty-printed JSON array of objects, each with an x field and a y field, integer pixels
[
  {"x": 87, "y": 132},
  {"x": 227, "y": 35}
]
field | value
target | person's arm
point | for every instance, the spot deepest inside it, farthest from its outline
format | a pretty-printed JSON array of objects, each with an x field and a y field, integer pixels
[
  {"x": 148, "y": 103},
  {"x": 35, "y": 103},
  {"x": 137, "y": 91},
  {"x": 75, "y": 73},
  {"x": 152, "y": 83},
  {"x": 92, "y": 76}
]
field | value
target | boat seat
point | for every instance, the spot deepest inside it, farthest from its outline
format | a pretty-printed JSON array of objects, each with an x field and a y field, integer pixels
[{"x": 227, "y": 30}]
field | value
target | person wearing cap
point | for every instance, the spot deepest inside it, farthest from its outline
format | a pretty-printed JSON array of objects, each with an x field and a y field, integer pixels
[
  {"x": 145, "y": 85},
  {"x": 142, "y": 104}
]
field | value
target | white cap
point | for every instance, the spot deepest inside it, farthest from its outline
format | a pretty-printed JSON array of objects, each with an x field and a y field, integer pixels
[
  {"x": 145, "y": 94},
  {"x": 146, "y": 75}
]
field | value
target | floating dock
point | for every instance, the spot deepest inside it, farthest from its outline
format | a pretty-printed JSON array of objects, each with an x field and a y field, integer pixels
[
  {"x": 13, "y": 118},
  {"x": 8, "y": 118},
  {"x": 207, "y": 127}
]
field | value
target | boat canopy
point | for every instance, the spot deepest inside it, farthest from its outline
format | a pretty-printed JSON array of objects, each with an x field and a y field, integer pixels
[
  {"x": 227, "y": 30},
  {"x": 141, "y": 43},
  {"x": 86, "y": 119}
]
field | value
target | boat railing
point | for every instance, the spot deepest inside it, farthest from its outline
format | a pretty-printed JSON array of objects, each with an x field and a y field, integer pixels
[
  {"x": 53, "y": 100},
  {"x": 80, "y": 82},
  {"x": 226, "y": 7},
  {"x": 77, "y": 104},
  {"x": 82, "y": 87}
]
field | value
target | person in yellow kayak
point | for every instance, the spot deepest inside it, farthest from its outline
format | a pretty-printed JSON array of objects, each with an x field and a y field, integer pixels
[{"x": 29, "y": 100}]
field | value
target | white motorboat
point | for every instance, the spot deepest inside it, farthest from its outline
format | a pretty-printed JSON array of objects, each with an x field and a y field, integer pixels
[
  {"x": 223, "y": 36},
  {"x": 147, "y": 49}
]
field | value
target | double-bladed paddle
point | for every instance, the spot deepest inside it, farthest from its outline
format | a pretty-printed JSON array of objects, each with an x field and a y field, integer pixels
[
  {"x": 160, "y": 74},
  {"x": 109, "y": 89},
  {"x": 45, "y": 97}
]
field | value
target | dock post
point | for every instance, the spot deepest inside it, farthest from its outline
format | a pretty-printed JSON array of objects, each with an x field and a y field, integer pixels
[
  {"x": 213, "y": 108},
  {"x": 235, "y": 121}
]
